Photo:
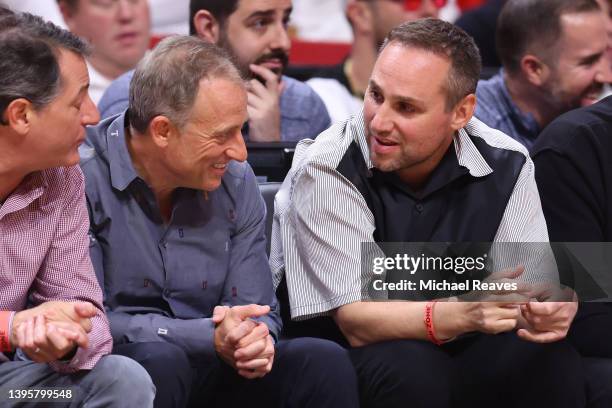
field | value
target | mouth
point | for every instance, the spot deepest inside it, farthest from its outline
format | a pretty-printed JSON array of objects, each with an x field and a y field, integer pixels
[
  {"x": 381, "y": 145},
  {"x": 127, "y": 37},
  {"x": 591, "y": 96},
  {"x": 219, "y": 169}
]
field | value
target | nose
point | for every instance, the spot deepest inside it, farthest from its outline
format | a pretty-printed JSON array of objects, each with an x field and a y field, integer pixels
[
  {"x": 381, "y": 122},
  {"x": 89, "y": 112},
  {"x": 236, "y": 149},
  {"x": 126, "y": 9},
  {"x": 280, "y": 38}
]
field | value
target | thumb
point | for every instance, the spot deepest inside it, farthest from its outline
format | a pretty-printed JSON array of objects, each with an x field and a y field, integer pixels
[
  {"x": 219, "y": 314},
  {"x": 246, "y": 311},
  {"x": 85, "y": 309}
]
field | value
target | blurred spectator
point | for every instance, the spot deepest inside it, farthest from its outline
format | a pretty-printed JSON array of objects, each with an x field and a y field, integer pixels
[
  {"x": 169, "y": 16},
  {"x": 481, "y": 23},
  {"x": 255, "y": 34},
  {"x": 307, "y": 24},
  {"x": 370, "y": 21},
  {"x": 119, "y": 32},
  {"x": 553, "y": 57}
]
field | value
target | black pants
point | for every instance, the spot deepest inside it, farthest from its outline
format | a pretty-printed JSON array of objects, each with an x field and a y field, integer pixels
[
  {"x": 591, "y": 335},
  {"x": 499, "y": 371},
  {"x": 307, "y": 372}
]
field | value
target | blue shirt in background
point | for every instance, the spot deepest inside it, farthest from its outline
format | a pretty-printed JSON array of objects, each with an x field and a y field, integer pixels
[
  {"x": 303, "y": 113},
  {"x": 496, "y": 109},
  {"x": 162, "y": 281}
]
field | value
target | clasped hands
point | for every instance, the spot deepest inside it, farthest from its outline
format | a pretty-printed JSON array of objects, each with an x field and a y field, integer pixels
[
  {"x": 53, "y": 330},
  {"x": 242, "y": 342},
  {"x": 541, "y": 313}
]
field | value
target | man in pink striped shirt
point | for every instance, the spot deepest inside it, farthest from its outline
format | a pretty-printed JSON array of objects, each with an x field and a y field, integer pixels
[{"x": 50, "y": 303}]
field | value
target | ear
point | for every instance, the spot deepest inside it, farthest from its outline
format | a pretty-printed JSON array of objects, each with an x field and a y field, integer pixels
[
  {"x": 18, "y": 115},
  {"x": 68, "y": 14},
  {"x": 360, "y": 17},
  {"x": 206, "y": 26},
  {"x": 161, "y": 130},
  {"x": 534, "y": 69},
  {"x": 463, "y": 112}
]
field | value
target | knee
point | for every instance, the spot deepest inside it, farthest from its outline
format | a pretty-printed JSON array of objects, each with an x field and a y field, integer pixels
[
  {"x": 407, "y": 370},
  {"x": 123, "y": 379}
]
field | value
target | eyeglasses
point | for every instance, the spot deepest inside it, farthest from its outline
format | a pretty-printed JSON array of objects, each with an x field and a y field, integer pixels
[{"x": 414, "y": 5}]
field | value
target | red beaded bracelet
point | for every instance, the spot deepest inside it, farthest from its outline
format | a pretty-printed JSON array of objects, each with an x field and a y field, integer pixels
[
  {"x": 5, "y": 335},
  {"x": 429, "y": 325}
]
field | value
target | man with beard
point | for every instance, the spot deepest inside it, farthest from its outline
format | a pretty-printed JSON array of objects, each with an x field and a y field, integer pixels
[
  {"x": 553, "y": 57},
  {"x": 254, "y": 32}
]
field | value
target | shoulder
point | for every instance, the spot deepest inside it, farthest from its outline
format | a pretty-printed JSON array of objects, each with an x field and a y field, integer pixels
[
  {"x": 297, "y": 92},
  {"x": 573, "y": 132},
  {"x": 116, "y": 96}
]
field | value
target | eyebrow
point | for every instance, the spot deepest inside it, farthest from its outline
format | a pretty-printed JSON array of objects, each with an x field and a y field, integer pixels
[
  {"x": 268, "y": 13},
  {"x": 398, "y": 98},
  {"x": 82, "y": 90},
  {"x": 589, "y": 59}
]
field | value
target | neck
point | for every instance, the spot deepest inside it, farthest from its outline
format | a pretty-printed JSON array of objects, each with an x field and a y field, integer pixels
[
  {"x": 147, "y": 163},
  {"x": 530, "y": 99},
  {"x": 363, "y": 57},
  {"x": 416, "y": 176},
  {"x": 12, "y": 168},
  {"x": 106, "y": 68}
]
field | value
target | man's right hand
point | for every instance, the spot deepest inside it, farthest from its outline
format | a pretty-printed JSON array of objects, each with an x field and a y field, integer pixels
[
  {"x": 235, "y": 329},
  {"x": 57, "y": 311}
]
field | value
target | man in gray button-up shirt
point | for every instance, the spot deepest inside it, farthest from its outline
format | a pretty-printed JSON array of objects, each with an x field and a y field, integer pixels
[{"x": 178, "y": 243}]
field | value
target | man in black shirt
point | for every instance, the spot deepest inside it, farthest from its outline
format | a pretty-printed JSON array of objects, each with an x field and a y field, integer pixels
[{"x": 573, "y": 159}]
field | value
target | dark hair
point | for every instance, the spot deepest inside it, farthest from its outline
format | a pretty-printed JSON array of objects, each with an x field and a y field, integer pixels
[
  {"x": 220, "y": 9},
  {"x": 450, "y": 41},
  {"x": 28, "y": 58},
  {"x": 166, "y": 82},
  {"x": 533, "y": 26}
]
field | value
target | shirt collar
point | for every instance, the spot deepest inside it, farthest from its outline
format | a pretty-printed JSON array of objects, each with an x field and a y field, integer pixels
[
  {"x": 467, "y": 153},
  {"x": 122, "y": 171}
]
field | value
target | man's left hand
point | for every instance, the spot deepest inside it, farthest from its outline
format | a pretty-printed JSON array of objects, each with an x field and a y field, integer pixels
[{"x": 547, "y": 322}]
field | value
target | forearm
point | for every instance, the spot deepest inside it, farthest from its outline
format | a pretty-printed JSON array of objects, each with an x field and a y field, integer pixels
[
  {"x": 195, "y": 336},
  {"x": 364, "y": 323}
]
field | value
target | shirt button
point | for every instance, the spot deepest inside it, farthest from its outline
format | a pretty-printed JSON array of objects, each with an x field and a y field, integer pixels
[
  {"x": 419, "y": 207},
  {"x": 163, "y": 244},
  {"x": 166, "y": 293}
]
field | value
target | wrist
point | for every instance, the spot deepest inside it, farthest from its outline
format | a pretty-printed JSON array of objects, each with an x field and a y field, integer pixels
[
  {"x": 6, "y": 334},
  {"x": 450, "y": 319}
]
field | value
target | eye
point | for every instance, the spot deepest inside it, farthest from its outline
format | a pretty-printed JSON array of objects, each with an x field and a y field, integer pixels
[
  {"x": 404, "y": 107},
  {"x": 376, "y": 96},
  {"x": 260, "y": 23}
]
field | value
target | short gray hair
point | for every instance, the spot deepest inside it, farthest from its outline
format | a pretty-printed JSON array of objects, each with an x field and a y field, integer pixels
[
  {"x": 167, "y": 80},
  {"x": 29, "y": 49}
]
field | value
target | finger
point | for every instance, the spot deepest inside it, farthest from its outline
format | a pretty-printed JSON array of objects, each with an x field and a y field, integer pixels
[
  {"x": 258, "y": 89},
  {"x": 252, "y": 364},
  {"x": 40, "y": 332},
  {"x": 539, "y": 337},
  {"x": 510, "y": 273},
  {"x": 271, "y": 79},
  {"x": 78, "y": 337},
  {"x": 219, "y": 313},
  {"x": 240, "y": 331},
  {"x": 61, "y": 343},
  {"x": 259, "y": 332},
  {"x": 85, "y": 309},
  {"x": 251, "y": 351},
  {"x": 246, "y": 311}
]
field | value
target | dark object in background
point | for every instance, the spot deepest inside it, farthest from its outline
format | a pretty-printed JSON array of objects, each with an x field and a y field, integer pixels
[
  {"x": 270, "y": 161},
  {"x": 481, "y": 24}
]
